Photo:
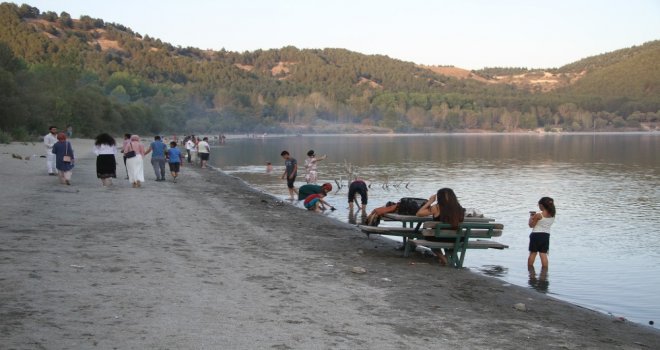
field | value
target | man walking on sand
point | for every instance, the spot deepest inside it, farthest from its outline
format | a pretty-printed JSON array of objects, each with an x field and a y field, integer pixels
[
  {"x": 290, "y": 172},
  {"x": 49, "y": 141},
  {"x": 203, "y": 150},
  {"x": 190, "y": 147}
]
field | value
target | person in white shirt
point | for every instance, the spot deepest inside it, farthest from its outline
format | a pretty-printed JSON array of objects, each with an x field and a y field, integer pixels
[
  {"x": 190, "y": 147},
  {"x": 539, "y": 239},
  {"x": 49, "y": 141},
  {"x": 105, "y": 149},
  {"x": 204, "y": 150}
]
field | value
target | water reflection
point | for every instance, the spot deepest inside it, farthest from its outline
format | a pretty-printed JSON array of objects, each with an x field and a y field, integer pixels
[
  {"x": 494, "y": 270},
  {"x": 540, "y": 282},
  {"x": 354, "y": 216}
]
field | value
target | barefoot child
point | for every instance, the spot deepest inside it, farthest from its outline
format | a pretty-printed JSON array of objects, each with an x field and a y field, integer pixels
[
  {"x": 174, "y": 159},
  {"x": 316, "y": 203},
  {"x": 290, "y": 172},
  {"x": 539, "y": 239}
]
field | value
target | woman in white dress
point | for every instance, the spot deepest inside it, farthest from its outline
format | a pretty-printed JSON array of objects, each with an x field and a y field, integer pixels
[{"x": 134, "y": 161}]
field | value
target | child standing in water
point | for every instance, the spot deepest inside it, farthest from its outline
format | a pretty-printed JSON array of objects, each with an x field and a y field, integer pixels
[
  {"x": 290, "y": 173},
  {"x": 539, "y": 239}
]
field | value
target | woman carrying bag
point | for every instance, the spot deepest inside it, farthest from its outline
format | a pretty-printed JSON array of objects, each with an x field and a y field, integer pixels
[
  {"x": 63, "y": 158},
  {"x": 134, "y": 153}
]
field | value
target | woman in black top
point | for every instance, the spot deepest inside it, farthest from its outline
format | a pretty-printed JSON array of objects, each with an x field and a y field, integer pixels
[{"x": 446, "y": 209}]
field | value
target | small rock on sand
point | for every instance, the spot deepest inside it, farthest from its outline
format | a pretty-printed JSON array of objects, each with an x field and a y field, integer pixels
[
  {"x": 359, "y": 270},
  {"x": 520, "y": 307}
]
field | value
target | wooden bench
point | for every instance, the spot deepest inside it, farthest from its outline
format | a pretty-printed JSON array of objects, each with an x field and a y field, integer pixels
[
  {"x": 408, "y": 232},
  {"x": 469, "y": 235}
]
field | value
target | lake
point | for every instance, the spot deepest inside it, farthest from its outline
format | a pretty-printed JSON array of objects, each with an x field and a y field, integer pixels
[{"x": 605, "y": 246}]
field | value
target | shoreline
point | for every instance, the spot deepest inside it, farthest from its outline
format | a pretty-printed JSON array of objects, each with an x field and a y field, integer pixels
[{"x": 211, "y": 261}]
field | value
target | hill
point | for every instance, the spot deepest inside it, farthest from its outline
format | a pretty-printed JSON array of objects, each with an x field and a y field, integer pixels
[{"x": 104, "y": 76}]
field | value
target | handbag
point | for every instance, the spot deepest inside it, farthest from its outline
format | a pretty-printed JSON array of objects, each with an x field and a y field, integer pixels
[
  {"x": 66, "y": 158},
  {"x": 131, "y": 153}
]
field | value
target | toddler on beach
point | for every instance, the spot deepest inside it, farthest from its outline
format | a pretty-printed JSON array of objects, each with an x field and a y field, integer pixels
[{"x": 539, "y": 239}]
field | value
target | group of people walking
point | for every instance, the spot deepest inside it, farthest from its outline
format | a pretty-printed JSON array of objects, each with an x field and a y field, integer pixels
[
  {"x": 198, "y": 148},
  {"x": 60, "y": 158}
]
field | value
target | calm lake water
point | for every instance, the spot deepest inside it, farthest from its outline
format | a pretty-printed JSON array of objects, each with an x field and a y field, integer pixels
[{"x": 605, "y": 244}]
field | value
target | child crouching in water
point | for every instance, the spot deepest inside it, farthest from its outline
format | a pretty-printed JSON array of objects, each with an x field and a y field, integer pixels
[
  {"x": 316, "y": 203},
  {"x": 174, "y": 159},
  {"x": 539, "y": 239}
]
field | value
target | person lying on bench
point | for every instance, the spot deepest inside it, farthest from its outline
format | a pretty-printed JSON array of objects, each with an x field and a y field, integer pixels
[{"x": 446, "y": 209}]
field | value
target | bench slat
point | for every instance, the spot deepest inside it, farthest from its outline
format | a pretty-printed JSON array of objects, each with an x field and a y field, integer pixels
[
  {"x": 474, "y": 233},
  {"x": 476, "y": 225},
  {"x": 390, "y": 231},
  {"x": 477, "y": 244}
]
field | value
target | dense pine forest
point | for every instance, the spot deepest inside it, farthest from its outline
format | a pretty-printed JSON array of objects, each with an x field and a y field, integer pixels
[{"x": 99, "y": 76}]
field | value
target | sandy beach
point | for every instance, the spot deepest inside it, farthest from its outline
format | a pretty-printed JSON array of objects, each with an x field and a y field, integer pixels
[{"x": 209, "y": 263}]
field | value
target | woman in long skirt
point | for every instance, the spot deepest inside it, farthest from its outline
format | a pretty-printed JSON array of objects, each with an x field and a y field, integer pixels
[
  {"x": 63, "y": 158},
  {"x": 106, "y": 166},
  {"x": 134, "y": 161}
]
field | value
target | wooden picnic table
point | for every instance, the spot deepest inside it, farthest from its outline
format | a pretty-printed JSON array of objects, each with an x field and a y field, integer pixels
[
  {"x": 469, "y": 235},
  {"x": 416, "y": 221}
]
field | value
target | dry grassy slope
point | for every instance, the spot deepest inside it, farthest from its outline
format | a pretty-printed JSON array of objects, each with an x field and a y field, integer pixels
[{"x": 536, "y": 80}]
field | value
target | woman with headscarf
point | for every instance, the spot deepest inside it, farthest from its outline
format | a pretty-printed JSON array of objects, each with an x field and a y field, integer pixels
[
  {"x": 106, "y": 166},
  {"x": 63, "y": 158},
  {"x": 134, "y": 153}
]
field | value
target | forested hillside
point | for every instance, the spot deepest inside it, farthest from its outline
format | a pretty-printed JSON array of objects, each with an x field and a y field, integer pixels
[{"x": 102, "y": 76}]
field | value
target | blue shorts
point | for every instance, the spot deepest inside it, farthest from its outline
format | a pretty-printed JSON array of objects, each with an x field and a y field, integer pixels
[{"x": 539, "y": 242}]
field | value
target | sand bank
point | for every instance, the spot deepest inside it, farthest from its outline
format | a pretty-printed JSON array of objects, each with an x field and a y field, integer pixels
[{"x": 209, "y": 263}]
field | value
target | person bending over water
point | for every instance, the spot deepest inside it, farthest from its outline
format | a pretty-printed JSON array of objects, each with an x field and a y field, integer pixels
[
  {"x": 306, "y": 190},
  {"x": 316, "y": 203},
  {"x": 359, "y": 186}
]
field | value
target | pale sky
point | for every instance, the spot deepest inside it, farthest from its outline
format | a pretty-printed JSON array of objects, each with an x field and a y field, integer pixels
[{"x": 470, "y": 34}]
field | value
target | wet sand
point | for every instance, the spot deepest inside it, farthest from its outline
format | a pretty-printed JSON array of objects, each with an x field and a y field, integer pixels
[{"x": 209, "y": 263}]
